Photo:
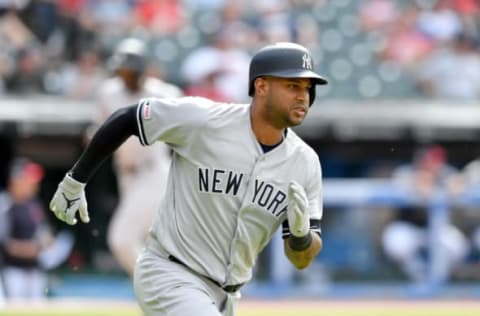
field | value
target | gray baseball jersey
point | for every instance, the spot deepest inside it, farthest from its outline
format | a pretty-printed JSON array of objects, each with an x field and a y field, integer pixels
[{"x": 225, "y": 197}]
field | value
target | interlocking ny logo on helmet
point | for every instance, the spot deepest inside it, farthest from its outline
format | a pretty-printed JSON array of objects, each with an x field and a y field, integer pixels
[
  {"x": 284, "y": 60},
  {"x": 307, "y": 61}
]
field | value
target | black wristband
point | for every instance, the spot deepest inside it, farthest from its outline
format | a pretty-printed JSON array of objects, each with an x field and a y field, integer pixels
[{"x": 300, "y": 243}]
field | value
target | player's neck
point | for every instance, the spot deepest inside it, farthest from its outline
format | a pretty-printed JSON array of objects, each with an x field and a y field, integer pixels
[
  {"x": 266, "y": 133},
  {"x": 268, "y": 136}
]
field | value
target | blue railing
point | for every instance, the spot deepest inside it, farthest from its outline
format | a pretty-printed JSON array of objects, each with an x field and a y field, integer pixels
[{"x": 374, "y": 193}]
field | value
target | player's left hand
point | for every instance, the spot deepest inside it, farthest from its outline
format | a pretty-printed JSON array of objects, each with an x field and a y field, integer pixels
[
  {"x": 68, "y": 200},
  {"x": 297, "y": 210}
]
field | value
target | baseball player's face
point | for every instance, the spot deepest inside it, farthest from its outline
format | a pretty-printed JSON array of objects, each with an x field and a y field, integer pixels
[
  {"x": 130, "y": 78},
  {"x": 288, "y": 100},
  {"x": 22, "y": 188}
]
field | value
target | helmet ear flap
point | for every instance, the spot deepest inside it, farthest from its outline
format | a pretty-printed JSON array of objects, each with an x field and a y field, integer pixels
[
  {"x": 251, "y": 87},
  {"x": 312, "y": 94}
]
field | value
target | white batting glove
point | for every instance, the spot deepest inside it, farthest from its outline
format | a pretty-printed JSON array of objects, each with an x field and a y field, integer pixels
[
  {"x": 297, "y": 210},
  {"x": 68, "y": 199}
]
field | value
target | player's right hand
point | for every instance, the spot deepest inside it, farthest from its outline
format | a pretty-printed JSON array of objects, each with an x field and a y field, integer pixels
[{"x": 68, "y": 199}]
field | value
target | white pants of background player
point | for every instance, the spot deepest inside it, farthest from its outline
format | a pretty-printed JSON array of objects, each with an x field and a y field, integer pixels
[
  {"x": 32, "y": 283},
  {"x": 403, "y": 243},
  {"x": 166, "y": 288},
  {"x": 140, "y": 195},
  {"x": 25, "y": 283},
  {"x": 2, "y": 294}
]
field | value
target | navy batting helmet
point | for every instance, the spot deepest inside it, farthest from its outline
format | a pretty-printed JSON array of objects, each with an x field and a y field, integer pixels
[{"x": 284, "y": 60}]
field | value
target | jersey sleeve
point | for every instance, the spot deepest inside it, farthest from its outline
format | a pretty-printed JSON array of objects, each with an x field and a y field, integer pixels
[
  {"x": 314, "y": 190},
  {"x": 174, "y": 121}
]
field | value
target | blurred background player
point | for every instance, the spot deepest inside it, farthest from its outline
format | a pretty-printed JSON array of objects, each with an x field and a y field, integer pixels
[
  {"x": 141, "y": 172},
  {"x": 405, "y": 239},
  {"x": 4, "y": 202},
  {"x": 28, "y": 246},
  {"x": 471, "y": 174}
]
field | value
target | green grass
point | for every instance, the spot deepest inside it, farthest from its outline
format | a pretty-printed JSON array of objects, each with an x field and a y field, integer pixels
[{"x": 270, "y": 308}]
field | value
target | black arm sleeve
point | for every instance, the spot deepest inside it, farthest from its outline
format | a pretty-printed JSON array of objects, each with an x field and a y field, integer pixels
[{"x": 114, "y": 131}]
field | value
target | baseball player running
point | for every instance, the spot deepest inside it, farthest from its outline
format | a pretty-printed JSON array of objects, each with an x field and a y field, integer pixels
[
  {"x": 141, "y": 172},
  {"x": 238, "y": 172}
]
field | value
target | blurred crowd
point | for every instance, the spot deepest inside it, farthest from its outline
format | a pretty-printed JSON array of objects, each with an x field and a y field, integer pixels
[
  {"x": 435, "y": 42},
  {"x": 62, "y": 47},
  {"x": 368, "y": 48}
]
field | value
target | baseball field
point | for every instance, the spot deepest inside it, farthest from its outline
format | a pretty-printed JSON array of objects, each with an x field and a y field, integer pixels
[{"x": 261, "y": 308}]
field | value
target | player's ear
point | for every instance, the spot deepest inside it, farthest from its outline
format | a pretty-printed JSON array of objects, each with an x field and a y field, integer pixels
[{"x": 260, "y": 86}]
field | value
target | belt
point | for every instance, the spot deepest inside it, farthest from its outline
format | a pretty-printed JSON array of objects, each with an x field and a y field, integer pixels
[{"x": 227, "y": 288}]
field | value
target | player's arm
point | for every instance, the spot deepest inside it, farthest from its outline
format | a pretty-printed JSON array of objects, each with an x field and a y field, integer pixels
[
  {"x": 22, "y": 249},
  {"x": 303, "y": 242},
  {"x": 70, "y": 195},
  {"x": 302, "y": 250},
  {"x": 112, "y": 133}
]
